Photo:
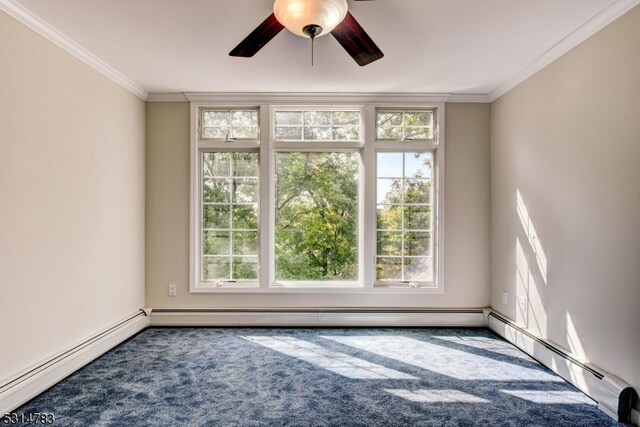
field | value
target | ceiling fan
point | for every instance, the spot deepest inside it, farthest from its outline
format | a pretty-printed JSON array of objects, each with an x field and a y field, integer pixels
[{"x": 311, "y": 19}]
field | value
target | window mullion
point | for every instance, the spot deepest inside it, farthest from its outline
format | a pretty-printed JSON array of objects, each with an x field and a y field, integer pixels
[
  {"x": 266, "y": 196},
  {"x": 369, "y": 220},
  {"x": 404, "y": 210},
  {"x": 232, "y": 188},
  {"x": 404, "y": 135}
]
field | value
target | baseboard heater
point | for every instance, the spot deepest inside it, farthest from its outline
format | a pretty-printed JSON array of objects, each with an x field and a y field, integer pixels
[
  {"x": 27, "y": 384},
  {"x": 614, "y": 397},
  {"x": 318, "y": 317}
]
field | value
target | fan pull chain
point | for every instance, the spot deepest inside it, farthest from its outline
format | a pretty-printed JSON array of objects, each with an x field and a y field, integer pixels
[{"x": 312, "y": 30}]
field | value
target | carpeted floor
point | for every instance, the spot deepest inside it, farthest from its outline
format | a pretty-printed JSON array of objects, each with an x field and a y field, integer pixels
[{"x": 316, "y": 377}]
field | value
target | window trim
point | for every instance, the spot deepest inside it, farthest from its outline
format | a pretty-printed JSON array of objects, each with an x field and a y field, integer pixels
[{"x": 369, "y": 146}]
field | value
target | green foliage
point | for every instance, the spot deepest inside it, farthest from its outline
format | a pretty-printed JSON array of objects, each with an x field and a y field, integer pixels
[
  {"x": 401, "y": 125},
  {"x": 316, "y": 201},
  {"x": 404, "y": 218},
  {"x": 230, "y": 216},
  {"x": 233, "y": 124},
  {"x": 316, "y": 215},
  {"x": 317, "y": 125}
]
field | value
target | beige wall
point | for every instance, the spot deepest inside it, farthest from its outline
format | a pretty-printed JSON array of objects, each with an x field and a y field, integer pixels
[
  {"x": 568, "y": 140},
  {"x": 466, "y": 212},
  {"x": 72, "y": 199}
]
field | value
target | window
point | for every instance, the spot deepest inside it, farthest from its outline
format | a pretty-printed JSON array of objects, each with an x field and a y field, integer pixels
[
  {"x": 229, "y": 124},
  {"x": 404, "y": 217},
  {"x": 317, "y": 216},
  {"x": 405, "y": 125},
  {"x": 229, "y": 217},
  {"x": 303, "y": 197},
  {"x": 317, "y": 125}
]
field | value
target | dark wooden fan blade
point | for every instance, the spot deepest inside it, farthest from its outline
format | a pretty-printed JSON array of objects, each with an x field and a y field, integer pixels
[
  {"x": 258, "y": 38},
  {"x": 356, "y": 41}
]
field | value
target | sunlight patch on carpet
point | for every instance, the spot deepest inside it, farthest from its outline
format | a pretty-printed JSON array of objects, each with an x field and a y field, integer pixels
[
  {"x": 339, "y": 363},
  {"x": 488, "y": 344},
  {"x": 561, "y": 397},
  {"x": 436, "y": 396},
  {"x": 443, "y": 359}
]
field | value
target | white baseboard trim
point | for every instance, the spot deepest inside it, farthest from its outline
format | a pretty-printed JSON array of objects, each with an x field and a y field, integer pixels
[
  {"x": 27, "y": 384},
  {"x": 318, "y": 317},
  {"x": 614, "y": 396}
]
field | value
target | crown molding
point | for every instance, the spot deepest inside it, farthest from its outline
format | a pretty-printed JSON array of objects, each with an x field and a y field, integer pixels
[
  {"x": 317, "y": 97},
  {"x": 582, "y": 33},
  {"x": 167, "y": 97},
  {"x": 469, "y": 98},
  {"x": 26, "y": 17},
  {"x": 288, "y": 98}
]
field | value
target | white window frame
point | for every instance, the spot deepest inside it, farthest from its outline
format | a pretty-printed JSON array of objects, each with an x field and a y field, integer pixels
[
  {"x": 320, "y": 147},
  {"x": 222, "y": 283},
  {"x": 408, "y": 110},
  {"x": 433, "y": 231},
  {"x": 229, "y": 137},
  {"x": 308, "y": 142},
  {"x": 266, "y": 145}
]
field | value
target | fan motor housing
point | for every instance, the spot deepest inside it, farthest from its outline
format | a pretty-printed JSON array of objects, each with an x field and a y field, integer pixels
[{"x": 295, "y": 15}]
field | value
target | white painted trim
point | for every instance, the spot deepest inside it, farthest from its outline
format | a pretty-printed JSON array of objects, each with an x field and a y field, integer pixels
[
  {"x": 167, "y": 97},
  {"x": 29, "y": 19},
  {"x": 268, "y": 104},
  {"x": 601, "y": 386},
  {"x": 469, "y": 98},
  {"x": 316, "y": 98},
  {"x": 292, "y": 98},
  {"x": 635, "y": 417},
  {"x": 582, "y": 33},
  {"x": 317, "y": 318},
  {"x": 401, "y": 319},
  {"x": 266, "y": 257},
  {"x": 233, "y": 319},
  {"x": 22, "y": 387},
  {"x": 316, "y": 289},
  {"x": 368, "y": 214},
  {"x": 194, "y": 199},
  {"x": 439, "y": 223}
]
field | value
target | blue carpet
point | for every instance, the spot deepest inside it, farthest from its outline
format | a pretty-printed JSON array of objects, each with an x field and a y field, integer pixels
[{"x": 316, "y": 377}]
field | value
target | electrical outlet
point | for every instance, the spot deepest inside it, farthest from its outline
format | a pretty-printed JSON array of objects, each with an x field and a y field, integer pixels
[
  {"x": 504, "y": 297},
  {"x": 172, "y": 290}
]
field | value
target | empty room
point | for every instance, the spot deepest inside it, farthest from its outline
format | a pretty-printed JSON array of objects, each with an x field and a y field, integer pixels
[{"x": 320, "y": 213}]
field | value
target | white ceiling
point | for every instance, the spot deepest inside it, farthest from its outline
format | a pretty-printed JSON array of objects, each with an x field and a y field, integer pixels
[{"x": 430, "y": 46}]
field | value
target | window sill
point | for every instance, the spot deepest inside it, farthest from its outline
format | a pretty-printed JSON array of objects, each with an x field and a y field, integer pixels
[{"x": 317, "y": 290}]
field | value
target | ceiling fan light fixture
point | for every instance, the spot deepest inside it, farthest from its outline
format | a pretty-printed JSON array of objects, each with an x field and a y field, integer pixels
[{"x": 296, "y": 15}]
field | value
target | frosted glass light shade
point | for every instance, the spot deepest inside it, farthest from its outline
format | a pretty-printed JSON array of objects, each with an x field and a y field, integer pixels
[{"x": 296, "y": 14}]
